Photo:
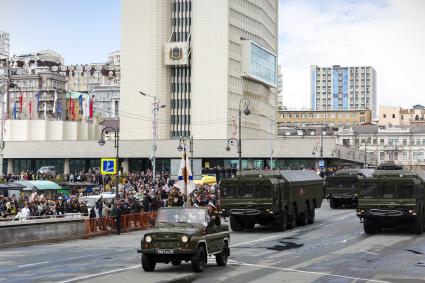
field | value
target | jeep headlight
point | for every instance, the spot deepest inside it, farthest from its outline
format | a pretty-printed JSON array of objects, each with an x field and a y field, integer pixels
[
  {"x": 148, "y": 239},
  {"x": 185, "y": 239}
]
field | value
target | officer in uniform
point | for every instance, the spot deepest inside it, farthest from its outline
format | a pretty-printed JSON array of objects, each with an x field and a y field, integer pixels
[
  {"x": 175, "y": 198},
  {"x": 213, "y": 215}
]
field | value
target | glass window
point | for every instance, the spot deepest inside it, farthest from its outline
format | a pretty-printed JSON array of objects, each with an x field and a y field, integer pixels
[
  {"x": 263, "y": 64},
  {"x": 386, "y": 191},
  {"x": 247, "y": 191},
  {"x": 404, "y": 155},
  {"x": 264, "y": 191}
]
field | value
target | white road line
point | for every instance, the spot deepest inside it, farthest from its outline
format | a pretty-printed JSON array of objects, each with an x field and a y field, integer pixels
[
  {"x": 369, "y": 252},
  {"x": 306, "y": 272},
  {"x": 262, "y": 239},
  {"x": 344, "y": 241},
  {"x": 32, "y": 264},
  {"x": 99, "y": 274}
]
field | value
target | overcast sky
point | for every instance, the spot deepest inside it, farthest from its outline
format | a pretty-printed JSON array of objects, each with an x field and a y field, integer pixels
[{"x": 386, "y": 34}]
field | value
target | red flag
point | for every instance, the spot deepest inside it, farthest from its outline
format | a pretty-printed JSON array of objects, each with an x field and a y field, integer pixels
[
  {"x": 91, "y": 106},
  {"x": 21, "y": 100},
  {"x": 71, "y": 102},
  {"x": 30, "y": 109}
]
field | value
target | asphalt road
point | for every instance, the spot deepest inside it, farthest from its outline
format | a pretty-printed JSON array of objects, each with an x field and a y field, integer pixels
[{"x": 333, "y": 249}]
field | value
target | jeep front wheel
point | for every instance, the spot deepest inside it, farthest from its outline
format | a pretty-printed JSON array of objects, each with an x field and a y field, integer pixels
[
  {"x": 221, "y": 258},
  {"x": 148, "y": 263},
  {"x": 198, "y": 261}
]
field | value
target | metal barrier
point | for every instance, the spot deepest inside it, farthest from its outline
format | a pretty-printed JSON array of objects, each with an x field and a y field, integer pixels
[
  {"x": 6, "y": 221},
  {"x": 129, "y": 222}
]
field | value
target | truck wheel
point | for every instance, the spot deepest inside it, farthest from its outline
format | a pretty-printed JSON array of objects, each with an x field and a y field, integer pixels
[
  {"x": 235, "y": 223},
  {"x": 302, "y": 218},
  {"x": 370, "y": 227},
  {"x": 148, "y": 263},
  {"x": 176, "y": 262},
  {"x": 248, "y": 225},
  {"x": 221, "y": 258},
  {"x": 418, "y": 227},
  {"x": 280, "y": 223},
  {"x": 291, "y": 223},
  {"x": 312, "y": 216},
  {"x": 198, "y": 261},
  {"x": 333, "y": 203}
]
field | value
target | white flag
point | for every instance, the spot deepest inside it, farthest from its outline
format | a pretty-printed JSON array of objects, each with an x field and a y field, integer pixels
[
  {"x": 54, "y": 102},
  {"x": 185, "y": 178}
]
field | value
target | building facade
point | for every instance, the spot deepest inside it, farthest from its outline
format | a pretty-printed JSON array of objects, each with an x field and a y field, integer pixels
[
  {"x": 4, "y": 45},
  {"x": 106, "y": 101},
  {"x": 396, "y": 116},
  {"x": 343, "y": 88},
  {"x": 402, "y": 145},
  {"x": 199, "y": 58},
  {"x": 332, "y": 118}
]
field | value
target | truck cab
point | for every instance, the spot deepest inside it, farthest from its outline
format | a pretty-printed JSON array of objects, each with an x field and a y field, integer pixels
[{"x": 392, "y": 198}]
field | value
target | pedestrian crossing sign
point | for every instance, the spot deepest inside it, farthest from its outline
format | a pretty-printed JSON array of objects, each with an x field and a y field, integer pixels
[{"x": 108, "y": 166}]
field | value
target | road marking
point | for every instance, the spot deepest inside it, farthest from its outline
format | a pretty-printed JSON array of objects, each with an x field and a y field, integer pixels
[
  {"x": 344, "y": 241},
  {"x": 306, "y": 272},
  {"x": 262, "y": 239},
  {"x": 369, "y": 252},
  {"x": 100, "y": 274},
  {"x": 32, "y": 264}
]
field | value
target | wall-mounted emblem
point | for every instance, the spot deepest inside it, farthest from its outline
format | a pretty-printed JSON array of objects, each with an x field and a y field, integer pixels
[{"x": 176, "y": 53}]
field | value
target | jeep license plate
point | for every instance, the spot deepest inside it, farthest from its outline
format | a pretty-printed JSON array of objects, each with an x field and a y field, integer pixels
[{"x": 163, "y": 251}]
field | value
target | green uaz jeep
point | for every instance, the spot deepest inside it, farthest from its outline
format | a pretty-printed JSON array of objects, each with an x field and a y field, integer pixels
[{"x": 185, "y": 234}]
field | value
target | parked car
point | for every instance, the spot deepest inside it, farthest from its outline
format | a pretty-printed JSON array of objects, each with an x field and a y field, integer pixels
[{"x": 48, "y": 171}]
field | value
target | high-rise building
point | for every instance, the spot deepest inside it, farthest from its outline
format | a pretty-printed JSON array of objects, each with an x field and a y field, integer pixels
[
  {"x": 279, "y": 87},
  {"x": 199, "y": 58},
  {"x": 4, "y": 45},
  {"x": 343, "y": 88}
]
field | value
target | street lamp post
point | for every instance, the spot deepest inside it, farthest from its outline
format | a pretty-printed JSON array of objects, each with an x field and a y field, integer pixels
[
  {"x": 4, "y": 89},
  {"x": 101, "y": 142},
  {"x": 155, "y": 109},
  {"x": 320, "y": 148},
  {"x": 272, "y": 125},
  {"x": 246, "y": 111}
]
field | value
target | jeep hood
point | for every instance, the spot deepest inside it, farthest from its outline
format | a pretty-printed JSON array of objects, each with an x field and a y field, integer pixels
[{"x": 178, "y": 230}]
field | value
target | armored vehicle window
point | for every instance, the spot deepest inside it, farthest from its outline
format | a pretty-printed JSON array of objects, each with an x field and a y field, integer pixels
[
  {"x": 386, "y": 191},
  {"x": 405, "y": 191},
  {"x": 264, "y": 191},
  {"x": 229, "y": 191},
  {"x": 341, "y": 183},
  {"x": 247, "y": 191},
  {"x": 369, "y": 190}
]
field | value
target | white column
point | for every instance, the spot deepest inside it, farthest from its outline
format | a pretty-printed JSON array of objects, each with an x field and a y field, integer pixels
[{"x": 66, "y": 166}]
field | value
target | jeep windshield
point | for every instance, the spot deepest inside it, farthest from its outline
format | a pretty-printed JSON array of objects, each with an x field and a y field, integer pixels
[
  {"x": 174, "y": 216},
  {"x": 387, "y": 191}
]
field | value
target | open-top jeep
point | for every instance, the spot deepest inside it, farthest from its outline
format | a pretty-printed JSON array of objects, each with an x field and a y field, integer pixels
[{"x": 185, "y": 234}]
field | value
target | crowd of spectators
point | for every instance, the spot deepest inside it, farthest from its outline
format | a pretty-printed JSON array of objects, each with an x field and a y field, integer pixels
[{"x": 138, "y": 191}]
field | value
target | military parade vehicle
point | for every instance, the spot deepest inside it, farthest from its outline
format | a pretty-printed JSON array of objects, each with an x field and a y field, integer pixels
[
  {"x": 185, "y": 234},
  {"x": 341, "y": 188},
  {"x": 281, "y": 198},
  {"x": 392, "y": 198}
]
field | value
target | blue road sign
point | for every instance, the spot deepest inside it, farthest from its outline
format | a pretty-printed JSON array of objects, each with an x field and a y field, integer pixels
[
  {"x": 322, "y": 163},
  {"x": 109, "y": 166}
]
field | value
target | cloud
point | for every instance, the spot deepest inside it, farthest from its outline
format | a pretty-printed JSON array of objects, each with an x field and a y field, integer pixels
[{"x": 387, "y": 35}]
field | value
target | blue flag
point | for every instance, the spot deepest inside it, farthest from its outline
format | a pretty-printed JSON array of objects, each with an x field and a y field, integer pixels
[
  {"x": 37, "y": 95},
  {"x": 14, "y": 110},
  {"x": 80, "y": 101}
]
